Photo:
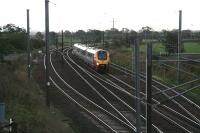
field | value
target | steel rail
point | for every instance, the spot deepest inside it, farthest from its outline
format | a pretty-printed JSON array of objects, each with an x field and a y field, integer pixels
[
  {"x": 86, "y": 110},
  {"x": 172, "y": 97},
  {"x": 174, "y": 122},
  {"x": 93, "y": 88},
  {"x": 166, "y": 107},
  {"x": 193, "y": 60},
  {"x": 172, "y": 100},
  {"x": 192, "y": 81},
  {"x": 181, "y": 70},
  {"x": 87, "y": 98},
  {"x": 191, "y": 102},
  {"x": 122, "y": 90}
]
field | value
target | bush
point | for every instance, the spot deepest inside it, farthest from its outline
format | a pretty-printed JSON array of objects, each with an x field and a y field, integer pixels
[{"x": 25, "y": 102}]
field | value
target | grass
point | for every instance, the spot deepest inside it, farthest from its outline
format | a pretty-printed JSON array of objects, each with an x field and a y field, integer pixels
[
  {"x": 156, "y": 48},
  {"x": 123, "y": 57},
  {"x": 192, "y": 47},
  {"x": 197, "y": 91},
  {"x": 67, "y": 40},
  {"x": 25, "y": 101}
]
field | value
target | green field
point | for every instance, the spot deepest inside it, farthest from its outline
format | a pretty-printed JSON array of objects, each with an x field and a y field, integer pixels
[
  {"x": 123, "y": 57},
  {"x": 192, "y": 47},
  {"x": 156, "y": 47},
  {"x": 68, "y": 41}
]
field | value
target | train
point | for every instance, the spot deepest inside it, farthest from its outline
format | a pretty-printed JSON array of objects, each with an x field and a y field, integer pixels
[{"x": 98, "y": 59}]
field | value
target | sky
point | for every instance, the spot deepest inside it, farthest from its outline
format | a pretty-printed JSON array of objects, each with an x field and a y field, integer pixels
[{"x": 74, "y": 15}]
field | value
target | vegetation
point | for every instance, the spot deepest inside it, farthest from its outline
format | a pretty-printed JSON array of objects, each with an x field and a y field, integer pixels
[
  {"x": 25, "y": 102},
  {"x": 192, "y": 47},
  {"x": 123, "y": 57},
  {"x": 13, "y": 39},
  {"x": 114, "y": 38},
  {"x": 170, "y": 41}
]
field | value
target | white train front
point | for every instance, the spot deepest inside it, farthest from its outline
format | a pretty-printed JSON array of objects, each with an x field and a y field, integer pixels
[{"x": 98, "y": 58}]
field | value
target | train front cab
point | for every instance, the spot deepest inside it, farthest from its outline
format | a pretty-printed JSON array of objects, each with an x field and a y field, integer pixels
[{"x": 102, "y": 61}]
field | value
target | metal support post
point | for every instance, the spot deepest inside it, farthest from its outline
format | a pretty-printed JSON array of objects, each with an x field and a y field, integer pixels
[
  {"x": 62, "y": 47},
  {"x": 148, "y": 88},
  {"x": 103, "y": 39},
  {"x": 71, "y": 40},
  {"x": 28, "y": 47},
  {"x": 179, "y": 46},
  {"x": 62, "y": 41},
  {"x": 113, "y": 24},
  {"x": 137, "y": 83},
  {"x": 57, "y": 41},
  {"x": 87, "y": 38},
  {"x": 47, "y": 50}
]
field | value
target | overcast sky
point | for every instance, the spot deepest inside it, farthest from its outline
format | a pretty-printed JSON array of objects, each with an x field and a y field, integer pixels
[{"x": 98, "y": 14}]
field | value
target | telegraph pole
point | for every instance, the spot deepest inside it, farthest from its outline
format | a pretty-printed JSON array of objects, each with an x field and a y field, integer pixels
[
  {"x": 62, "y": 41},
  {"x": 71, "y": 39},
  {"x": 149, "y": 89},
  {"x": 179, "y": 46},
  {"x": 103, "y": 39},
  {"x": 137, "y": 84},
  {"x": 28, "y": 46},
  {"x": 57, "y": 41},
  {"x": 113, "y": 24},
  {"x": 47, "y": 50}
]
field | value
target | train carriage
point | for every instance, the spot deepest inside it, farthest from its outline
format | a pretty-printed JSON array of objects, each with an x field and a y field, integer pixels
[{"x": 98, "y": 58}]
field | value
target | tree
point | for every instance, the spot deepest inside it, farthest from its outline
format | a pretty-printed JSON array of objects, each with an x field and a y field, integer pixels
[
  {"x": 11, "y": 28},
  {"x": 37, "y": 41},
  {"x": 39, "y": 36},
  {"x": 5, "y": 48},
  {"x": 146, "y": 32},
  {"x": 67, "y": 33},
  {"x": 12, "y": 38},
  {"x": 94, "y": 36},
  {"x": 186, "y": 34},
  {"x": 53, "y": 38},
  {"x": 171, "y": 41},
  {"x": 80, "y": 35}
]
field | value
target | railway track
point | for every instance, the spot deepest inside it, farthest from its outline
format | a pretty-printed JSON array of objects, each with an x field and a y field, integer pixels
[
  {"x": 163, "y": 115},
  {"x": 182, "y": 112},
  {"x": 187, "y": 65},
  {"x": 116, "y": 92},
  {"x": 165, "y": 107},
  {"x": 181, "y": 70},
  {"x": 118, "y": 116},
  {"x": 108, "y": 118}
]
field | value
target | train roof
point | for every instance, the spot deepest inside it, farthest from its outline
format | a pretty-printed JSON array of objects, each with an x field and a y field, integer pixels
[{"x": 88, "y": 49}]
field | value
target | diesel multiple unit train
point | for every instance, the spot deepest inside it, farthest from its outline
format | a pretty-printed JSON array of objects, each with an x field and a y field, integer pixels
[{"x": 97, "y": 58}]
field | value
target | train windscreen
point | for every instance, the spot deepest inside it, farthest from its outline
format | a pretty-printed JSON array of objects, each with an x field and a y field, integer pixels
[{"x": 102, "y": 55}]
